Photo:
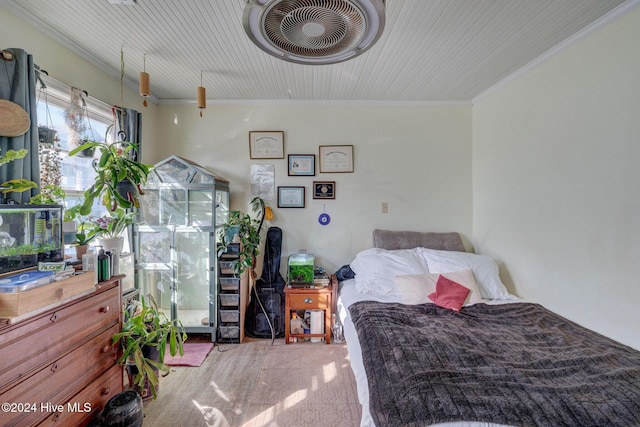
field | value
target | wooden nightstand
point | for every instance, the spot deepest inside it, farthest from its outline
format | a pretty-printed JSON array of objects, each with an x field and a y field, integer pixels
[{"x": 309, "y": 299}]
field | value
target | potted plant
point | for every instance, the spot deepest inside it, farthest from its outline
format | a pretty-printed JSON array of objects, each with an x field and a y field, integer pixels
[
  {"x": 109, "y": 228},
  {"x": 85, "y": 229},
  {"x": 47, "y": 135},
  {"x": 114, "y": 169},
  {"x": 248, "y": 231},
  {"x": 143, "y": 343}
]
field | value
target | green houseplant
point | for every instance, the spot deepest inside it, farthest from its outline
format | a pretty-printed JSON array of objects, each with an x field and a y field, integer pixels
[
  {"x": 119, "y": 179},
  {"x": 85, "y": 226},
  {"x": 16, "y": 185},
  {"x": 109, "y": 228},
  {"x": 113, "y": 225},
  {"x": 49, "y": 195},
  {"x": 248, "y": 231},
  {"x": 143, "y": 342}
]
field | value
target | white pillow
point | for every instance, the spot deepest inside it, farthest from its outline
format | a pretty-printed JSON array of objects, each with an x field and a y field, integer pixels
[
  {"x": 485, "y": 270},
  {"x": 416, "y": 288},
  {"x": 376, "y": 269}
]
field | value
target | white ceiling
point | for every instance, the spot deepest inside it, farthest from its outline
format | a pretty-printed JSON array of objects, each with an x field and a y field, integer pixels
[{"x": 430, "y": 50}]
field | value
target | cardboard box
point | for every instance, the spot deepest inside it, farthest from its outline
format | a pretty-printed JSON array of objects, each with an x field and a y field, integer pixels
[{"x": 19, "y": 303}]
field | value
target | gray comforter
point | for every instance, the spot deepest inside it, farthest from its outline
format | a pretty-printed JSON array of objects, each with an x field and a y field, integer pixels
[{"x": 517, "y": 364}]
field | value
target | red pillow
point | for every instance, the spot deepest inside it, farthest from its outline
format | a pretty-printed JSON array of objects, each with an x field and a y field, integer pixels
[{"x": 449, "y": 294}]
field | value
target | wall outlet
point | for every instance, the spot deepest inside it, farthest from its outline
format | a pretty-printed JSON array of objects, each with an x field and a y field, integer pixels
[{"x": 385, "y": 207}]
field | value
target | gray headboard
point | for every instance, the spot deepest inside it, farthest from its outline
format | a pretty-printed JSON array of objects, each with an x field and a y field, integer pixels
[{"x": 387, "y": 239}]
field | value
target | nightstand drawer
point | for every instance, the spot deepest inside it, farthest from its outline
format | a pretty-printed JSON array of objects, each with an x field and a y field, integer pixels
[{"x": 309, "y": 301}]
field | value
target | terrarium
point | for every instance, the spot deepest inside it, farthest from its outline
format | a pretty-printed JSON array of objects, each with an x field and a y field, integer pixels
[
  {"x": 29, "y": 234},
  {"x": 181, "y": 212},
  {"x": 301, "y": 269}
]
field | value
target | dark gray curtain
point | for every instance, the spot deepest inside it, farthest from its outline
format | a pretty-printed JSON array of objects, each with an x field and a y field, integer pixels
[
  {"x": 130, "y": 122},
  {"x": 18, "y": 84}
]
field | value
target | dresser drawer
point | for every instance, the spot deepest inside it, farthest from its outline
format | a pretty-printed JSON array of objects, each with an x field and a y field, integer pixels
[
  {"x": 304, "y": 301},
  {"x": 56, "y": 382},
  {"x": 84, "y": 406},
  {"x": 38, "y": 341}
]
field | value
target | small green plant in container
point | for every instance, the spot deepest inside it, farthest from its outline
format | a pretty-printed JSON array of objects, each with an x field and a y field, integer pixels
[
  {"x": 301, "y": 268},
  {"x": 146, "y": 331}
]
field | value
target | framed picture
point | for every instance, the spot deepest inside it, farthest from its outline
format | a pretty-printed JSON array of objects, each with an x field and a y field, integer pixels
[
  {"x": 266, "y": 144},
  {"x": 336, "y": 158},
  {"x": 291, "y": 197},
  {"x": 302, "y": 164},
  {"x": 324, "y": 189}
]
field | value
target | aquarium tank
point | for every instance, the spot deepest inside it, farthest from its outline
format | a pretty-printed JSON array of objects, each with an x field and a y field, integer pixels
[
  {"x": 301, "y": 268},
  {"x": 29, "y": 234}
]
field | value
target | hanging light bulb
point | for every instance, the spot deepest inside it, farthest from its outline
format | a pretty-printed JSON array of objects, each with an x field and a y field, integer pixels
[
  {"x": 202, "y": 96},
  {"x": 144, "y": 81}
]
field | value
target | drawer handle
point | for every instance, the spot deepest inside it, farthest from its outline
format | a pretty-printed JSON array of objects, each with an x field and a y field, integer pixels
[
  {"x": 55, "y": 417},
  {"x": 104, "y": 309},
  {"x": 54, "y": 367},
  {"x": 54, "y": 317},
  {"x": 106, "y": 391},
  {"x": 308, "y": 300},
  {"x": 106, "y": 348}
]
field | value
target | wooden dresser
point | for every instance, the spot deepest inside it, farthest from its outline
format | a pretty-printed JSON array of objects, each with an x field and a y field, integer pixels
[{"x": 57, "y": 367}]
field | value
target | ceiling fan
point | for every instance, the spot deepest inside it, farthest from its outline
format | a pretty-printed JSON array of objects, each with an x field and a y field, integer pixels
[{"x": 314, "y": 31}]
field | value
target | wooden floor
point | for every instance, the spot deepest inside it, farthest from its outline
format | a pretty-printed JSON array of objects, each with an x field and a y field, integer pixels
[{"x": 256, "y": 384}]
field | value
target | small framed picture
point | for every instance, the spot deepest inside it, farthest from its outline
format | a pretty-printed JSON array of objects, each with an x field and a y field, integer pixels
[
  {"x": 324, "y": 189},
  {"x": 266, "y": 144},
  {"x": 302, "y": 164},
  {"x": 336, "y": 158},
  {"x": 291, "y": 197}
]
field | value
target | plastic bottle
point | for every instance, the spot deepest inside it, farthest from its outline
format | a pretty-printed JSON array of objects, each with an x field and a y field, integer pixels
[
  {"x": 104, "y": 266},
  {"x": 115, "y": 262},
  {"x": 336, "y": 329},
  {"x": 90, "y": 263}
]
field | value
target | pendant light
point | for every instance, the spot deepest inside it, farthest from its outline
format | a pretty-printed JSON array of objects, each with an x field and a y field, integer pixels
[
  {"x": 144, "y": 81},
  {"x": 202, "y": 96}
]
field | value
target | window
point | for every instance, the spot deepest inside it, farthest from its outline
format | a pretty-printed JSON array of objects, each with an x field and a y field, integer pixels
[
  {"x": 75, "y": 116},
  {"x": 54, "y": 107}
]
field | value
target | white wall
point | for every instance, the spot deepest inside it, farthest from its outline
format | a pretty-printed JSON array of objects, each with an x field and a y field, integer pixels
[
  {"x": 556, "y": 178},
  {"x": 418, "y": 159}
]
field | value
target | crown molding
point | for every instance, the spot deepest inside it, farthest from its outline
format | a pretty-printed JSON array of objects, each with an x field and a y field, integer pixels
[{"x": 316, "y": 103}]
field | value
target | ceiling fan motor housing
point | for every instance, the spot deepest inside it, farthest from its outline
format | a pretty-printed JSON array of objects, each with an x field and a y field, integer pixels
[{"x": 314, "y": 31}]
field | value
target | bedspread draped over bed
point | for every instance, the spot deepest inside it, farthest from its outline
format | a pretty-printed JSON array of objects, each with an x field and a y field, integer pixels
[{"x": 516, "y": 364}]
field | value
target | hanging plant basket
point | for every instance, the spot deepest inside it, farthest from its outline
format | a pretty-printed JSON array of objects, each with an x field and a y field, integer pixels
[
  {"x": 87, "y": 152},
  {"x": 126, "y": 187},
  {"x": 47, "y": 135}
]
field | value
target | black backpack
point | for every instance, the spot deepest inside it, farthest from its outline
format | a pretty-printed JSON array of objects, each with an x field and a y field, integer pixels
[{"x": 265, "y": 312}]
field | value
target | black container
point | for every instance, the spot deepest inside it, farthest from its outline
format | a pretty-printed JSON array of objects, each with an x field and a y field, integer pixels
[{"x": 122, "y": 410}]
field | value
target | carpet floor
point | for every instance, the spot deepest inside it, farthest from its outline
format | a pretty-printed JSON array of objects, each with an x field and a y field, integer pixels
[{"x": 256, "y": 384}]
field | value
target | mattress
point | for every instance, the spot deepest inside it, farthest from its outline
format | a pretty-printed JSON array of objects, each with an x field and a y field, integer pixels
[{"x": 349, "y": 295}]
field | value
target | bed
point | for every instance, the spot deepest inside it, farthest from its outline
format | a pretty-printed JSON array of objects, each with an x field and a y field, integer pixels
[{"x": 485, "y": 359}]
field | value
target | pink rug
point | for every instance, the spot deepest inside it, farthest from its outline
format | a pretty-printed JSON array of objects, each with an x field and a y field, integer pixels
[{"x": 194, "y": 355}]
